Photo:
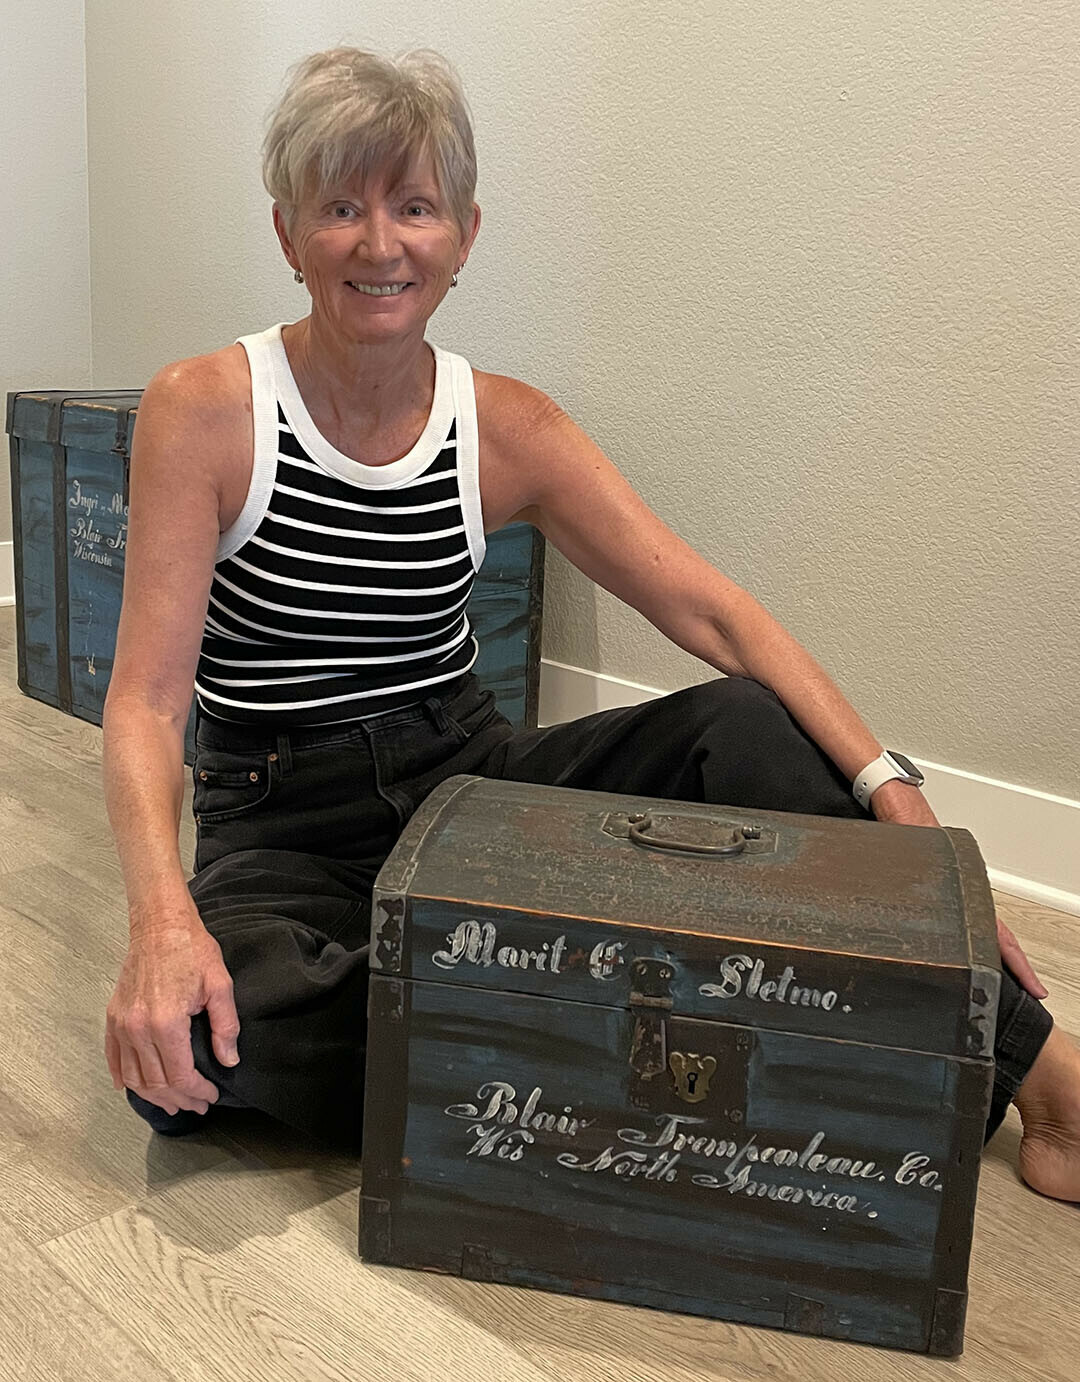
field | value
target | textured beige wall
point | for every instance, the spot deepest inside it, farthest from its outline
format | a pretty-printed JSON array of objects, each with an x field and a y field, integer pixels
[
  {"x": 809, "y": 273},
  {"x": 44, "y": 224}
]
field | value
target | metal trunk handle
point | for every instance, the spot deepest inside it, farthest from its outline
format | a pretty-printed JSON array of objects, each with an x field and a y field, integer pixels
[{"x": 642, "y": 822}]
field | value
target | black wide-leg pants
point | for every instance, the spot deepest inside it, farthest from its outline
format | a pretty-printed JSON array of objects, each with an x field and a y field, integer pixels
[{"x": 294, "y": 827}]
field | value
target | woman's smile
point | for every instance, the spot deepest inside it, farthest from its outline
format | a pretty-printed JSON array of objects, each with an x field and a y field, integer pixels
[{"x": 378, "y": 289}]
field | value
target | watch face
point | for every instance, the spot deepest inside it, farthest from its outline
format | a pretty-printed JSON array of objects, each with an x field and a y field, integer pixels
[{"x": 905, "y": 764}]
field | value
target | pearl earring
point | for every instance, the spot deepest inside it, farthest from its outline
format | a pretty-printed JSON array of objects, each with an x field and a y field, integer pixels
[{"x": 298, "y": 276}]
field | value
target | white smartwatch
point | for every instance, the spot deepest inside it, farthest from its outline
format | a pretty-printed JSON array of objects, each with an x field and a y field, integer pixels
[{"x": 890, "y": 765}]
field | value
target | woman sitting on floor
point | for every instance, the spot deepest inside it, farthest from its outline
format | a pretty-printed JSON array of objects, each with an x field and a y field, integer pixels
[{"x": 326, "y": 487}]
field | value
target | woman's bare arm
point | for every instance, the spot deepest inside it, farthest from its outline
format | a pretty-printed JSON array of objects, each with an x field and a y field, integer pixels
[
  {"x": 551, "y": 473},
  {"x": 187, "y": 422}
]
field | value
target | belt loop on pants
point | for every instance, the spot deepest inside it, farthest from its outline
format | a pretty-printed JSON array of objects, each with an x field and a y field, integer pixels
[
  {"x": 284, "y": 755},
  {"x": 435, "y": 713}
]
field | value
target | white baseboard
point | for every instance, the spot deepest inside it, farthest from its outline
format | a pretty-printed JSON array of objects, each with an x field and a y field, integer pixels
[
  {"x": 7, "y": 573},
  {"x": 568, "y": 693},
  {"x": 1030, "y": 840}
]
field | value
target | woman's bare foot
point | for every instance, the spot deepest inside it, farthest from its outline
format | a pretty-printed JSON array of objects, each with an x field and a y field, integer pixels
[{"x": 1049, "y": 1104}]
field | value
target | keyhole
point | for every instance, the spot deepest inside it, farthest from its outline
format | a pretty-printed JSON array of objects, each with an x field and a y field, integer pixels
[{"x": 691, "y": 1082}]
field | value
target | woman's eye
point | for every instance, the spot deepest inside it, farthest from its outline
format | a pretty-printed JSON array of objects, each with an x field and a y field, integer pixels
[
  {"x": 341, "y": 207},
  {"x": 416, "y": 209}
]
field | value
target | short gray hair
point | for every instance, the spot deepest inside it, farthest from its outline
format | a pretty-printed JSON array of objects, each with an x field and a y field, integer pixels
[{"x": 347, "y": 112}]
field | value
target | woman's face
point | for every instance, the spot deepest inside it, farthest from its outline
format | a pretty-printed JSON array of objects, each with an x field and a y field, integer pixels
[{"x": 378, "y": 256}]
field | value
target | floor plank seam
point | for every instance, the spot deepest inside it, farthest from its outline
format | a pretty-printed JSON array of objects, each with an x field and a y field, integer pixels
[
  {"x": 165, "y": 1186},
  {"x": 156, "y": 1366}
]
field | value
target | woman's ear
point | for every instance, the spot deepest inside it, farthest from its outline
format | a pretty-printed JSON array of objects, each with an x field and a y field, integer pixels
[
  {"x": 470, "y": 235},
  {"x": 282, "y": 229}
]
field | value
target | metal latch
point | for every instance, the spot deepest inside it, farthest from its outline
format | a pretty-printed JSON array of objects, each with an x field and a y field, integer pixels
[{"x": 650, "y": 1002}]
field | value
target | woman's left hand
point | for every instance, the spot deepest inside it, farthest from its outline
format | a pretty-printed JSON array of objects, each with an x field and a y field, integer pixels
[
  {"x": 905, "y": 805},
  {"x": 1018, "y": 963}
]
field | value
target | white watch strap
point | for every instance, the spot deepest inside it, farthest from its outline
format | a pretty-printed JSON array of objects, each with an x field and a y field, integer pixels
[{"x": 882, "y": 769}]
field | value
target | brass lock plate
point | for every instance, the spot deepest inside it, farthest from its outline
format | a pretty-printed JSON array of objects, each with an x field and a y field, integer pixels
[{"x": 676, "y": 1063}]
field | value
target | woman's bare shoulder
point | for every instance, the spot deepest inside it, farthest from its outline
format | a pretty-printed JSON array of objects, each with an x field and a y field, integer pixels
[
  {"x": 509, "y": 410},
  {"x": 215, "y": 385},
  {"x": 196, "y": 416},
  {"x": 514, "y": 423}
]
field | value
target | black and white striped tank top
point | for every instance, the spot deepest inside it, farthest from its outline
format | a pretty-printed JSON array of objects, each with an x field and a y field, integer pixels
[{"x": 340, "y": 590}]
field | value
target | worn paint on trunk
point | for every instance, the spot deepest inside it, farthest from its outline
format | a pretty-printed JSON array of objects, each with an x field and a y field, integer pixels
[{"x": 749, "y": 1087}]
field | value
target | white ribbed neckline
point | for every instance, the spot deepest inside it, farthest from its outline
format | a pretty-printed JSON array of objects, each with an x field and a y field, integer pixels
[{"x": 428, "y": 445}]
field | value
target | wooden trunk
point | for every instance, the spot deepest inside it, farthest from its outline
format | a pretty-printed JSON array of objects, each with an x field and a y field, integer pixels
[
  {"x": 69, "y": 486},
  {"x": 749, "y": 1084}
]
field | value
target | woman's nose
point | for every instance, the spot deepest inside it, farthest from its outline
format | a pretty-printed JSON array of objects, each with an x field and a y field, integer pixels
[{"x": 379, "y": 238}]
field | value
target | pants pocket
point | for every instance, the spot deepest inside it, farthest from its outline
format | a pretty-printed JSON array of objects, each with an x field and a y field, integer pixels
[{"x": 228, "y": 785}]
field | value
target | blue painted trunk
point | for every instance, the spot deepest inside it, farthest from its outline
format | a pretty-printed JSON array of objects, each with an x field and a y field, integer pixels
[
  {"x": 749, "y": 1085},
  {"x": 69, "y": 486}
]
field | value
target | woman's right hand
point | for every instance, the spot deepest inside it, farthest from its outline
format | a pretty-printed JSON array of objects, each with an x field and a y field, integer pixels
[{"x": 172, "y": 971}]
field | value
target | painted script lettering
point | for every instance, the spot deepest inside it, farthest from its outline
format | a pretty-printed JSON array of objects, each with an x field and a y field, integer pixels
[
  {"x": 477, "y": 943},
  {"x": 87, "y": 503},
  {"x": 501, "y": 1107},
  {"x": 90, "y": 542},
  {"x": 782, "y": 989},
  {"x": 663, "y": 1167},
  {"x": 504, "y": 1126},
  {"x": 474, "y": 943}
]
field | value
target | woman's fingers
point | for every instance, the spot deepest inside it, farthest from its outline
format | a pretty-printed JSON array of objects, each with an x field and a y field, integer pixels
[
  {"x": 166, "y": 977},
  {"x": 178, "y": 1063},
  {"x": 130, "y": 1069},
  {"x": 1018, "y": 962},
  {"x": 224, "y": 1022},
  {"x": 112, "y": 1056},
  {"x": 159, "y": 1088},
  {"x": 171, "y": 1082}
]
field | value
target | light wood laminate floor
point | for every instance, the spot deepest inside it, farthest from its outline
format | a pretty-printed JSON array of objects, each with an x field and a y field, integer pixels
[{"x": 232, "y": 1254}]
